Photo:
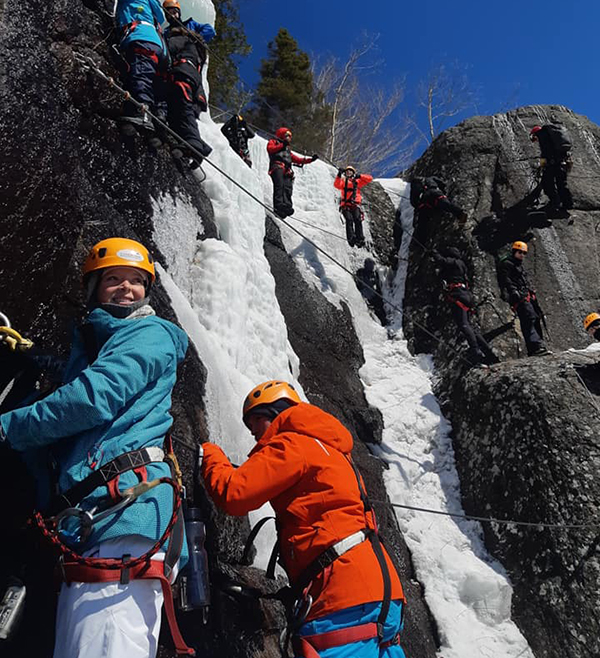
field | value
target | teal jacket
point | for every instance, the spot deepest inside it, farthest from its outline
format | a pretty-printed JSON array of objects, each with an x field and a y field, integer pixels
[
  {"x": 120, "y": 402},
  {"x": 140, "y": 21}
]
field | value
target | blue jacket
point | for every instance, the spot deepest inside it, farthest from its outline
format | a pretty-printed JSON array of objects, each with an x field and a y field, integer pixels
[
  {"x": 205, "y": 30},
  {"x": 120, "y": 402},
  {"x": 139, "y": 20}
]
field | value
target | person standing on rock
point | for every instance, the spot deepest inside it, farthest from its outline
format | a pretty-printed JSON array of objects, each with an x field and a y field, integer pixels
[
  {"x": 348, "y": 596},
  {"x": 428, "y": 198},
  {"x": 238, "y": 132},
  {"x": 555, "y": 161},
  {"x": 454, "y": 274},
  {"x": 522, "y": 299},
  {"x": 281, "y": 159},
  {"x": 350, "y": 183},
  {"x": 141, "y": 45},
  {"x": 98, "y": 434},
  {"x": 186, "y": 98},
  {"x": 592, "y": 325}
]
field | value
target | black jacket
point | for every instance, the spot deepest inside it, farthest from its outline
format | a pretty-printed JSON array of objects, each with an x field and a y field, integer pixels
[
  {"x": 368, "y": 283},
  {"x": 423, "y": 190},
  {"x": 514, "y": 279},
  {"x": 237, "y": 132},
  {"x": 452, "y": 268},
  {"x": 188, "y": 55}
]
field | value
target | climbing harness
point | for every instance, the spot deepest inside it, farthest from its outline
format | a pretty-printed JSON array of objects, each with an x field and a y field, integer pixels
[
  {"x": 74, "y": 567},
  {"x": 299, "y": 600}
]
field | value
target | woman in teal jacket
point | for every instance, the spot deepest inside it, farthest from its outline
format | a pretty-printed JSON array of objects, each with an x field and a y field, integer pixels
[{"x": 115, "y": 399}]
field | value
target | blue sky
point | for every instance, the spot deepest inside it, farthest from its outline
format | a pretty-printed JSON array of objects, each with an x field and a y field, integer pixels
[{"x": 515, "y": 52}]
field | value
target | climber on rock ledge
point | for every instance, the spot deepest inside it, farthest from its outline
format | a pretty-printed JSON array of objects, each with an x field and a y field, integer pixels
[
  {"x": 349, "y": 183},
  {"x": 453, "y": 272},
  {"x": 522, "y": 299}
]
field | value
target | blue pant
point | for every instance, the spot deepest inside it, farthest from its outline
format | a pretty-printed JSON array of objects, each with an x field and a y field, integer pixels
[
  {"x": 360, "y": 614},
  {"x": 142, "y": 82}
]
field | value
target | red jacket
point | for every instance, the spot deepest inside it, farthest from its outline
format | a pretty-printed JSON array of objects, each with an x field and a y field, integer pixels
[
  {"x": 347, "y": 187},
  {"x": 300, "y": 465},
  {"x": 280, "y": 154}
]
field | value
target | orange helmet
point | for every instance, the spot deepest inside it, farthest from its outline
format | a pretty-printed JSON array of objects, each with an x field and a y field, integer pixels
[
  {"x": 268, "y": 393},
  {"x": 119, "y": 252},
  {"x": 520, "y": 246},
  {"x": 169, "y": 4},
  {"x": 590, "y": 319}
]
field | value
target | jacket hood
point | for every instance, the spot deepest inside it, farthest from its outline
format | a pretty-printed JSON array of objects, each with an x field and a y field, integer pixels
[
  {"x": 280, "y": 132},
  {"x": 105, "y": 325},
  {"x": 311, "y": 421}
]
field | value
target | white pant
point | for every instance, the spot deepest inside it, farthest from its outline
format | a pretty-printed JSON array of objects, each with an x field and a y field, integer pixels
[{"x": 110, "y": 620}]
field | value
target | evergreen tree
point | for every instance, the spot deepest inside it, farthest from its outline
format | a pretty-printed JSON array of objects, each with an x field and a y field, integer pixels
[
  {"x": 226, "y": 49},
  {"x": 285, "y": 94}
]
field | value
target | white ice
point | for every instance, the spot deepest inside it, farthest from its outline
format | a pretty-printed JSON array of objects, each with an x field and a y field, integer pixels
[{"x": 224, "y": 296}]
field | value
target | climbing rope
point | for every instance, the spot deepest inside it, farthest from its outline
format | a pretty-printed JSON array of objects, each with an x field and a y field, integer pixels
[
  {"x": 88, "y": 64},
  {"x": 488, "y": 519}
]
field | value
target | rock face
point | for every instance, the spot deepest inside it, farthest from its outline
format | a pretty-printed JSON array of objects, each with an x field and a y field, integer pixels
[
  {"x": 66, "y": 181},
  {"x": 524, "y": 430}
]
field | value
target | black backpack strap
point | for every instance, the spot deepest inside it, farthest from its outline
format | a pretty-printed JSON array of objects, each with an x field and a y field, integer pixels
[
  {"x": 378, "y": 550},
  {"x": 252, "y": 537}
]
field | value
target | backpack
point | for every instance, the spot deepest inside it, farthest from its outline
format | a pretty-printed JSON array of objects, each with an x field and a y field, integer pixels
[{"x": 559, "y": 138}]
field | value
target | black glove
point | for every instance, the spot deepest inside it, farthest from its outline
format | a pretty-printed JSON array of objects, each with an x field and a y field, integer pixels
[
  {"x": 515, "y": 298},
  {"x": 340, "y": 172},
  {"x": 314, "y": 157}
]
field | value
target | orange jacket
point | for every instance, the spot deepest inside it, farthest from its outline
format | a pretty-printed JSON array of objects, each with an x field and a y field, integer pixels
[
  {"x": 347, "y": 185},
  {"x": 301, "y": 466}
]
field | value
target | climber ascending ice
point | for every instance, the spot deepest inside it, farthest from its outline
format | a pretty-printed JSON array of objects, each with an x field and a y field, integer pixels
[
  {"x": 238, "y": 132},
  {"x": 555, "y": 161},
  {"x": 428, "y": 198},
  {"x": 145, "y": 54},
  {"x": 185, "y": 94},
  {"x": 453, "y": 272},
  {"x": 522, "y": 298},
  {"x": 349, "y": 184},
  {"x": 281, "y": 159}
]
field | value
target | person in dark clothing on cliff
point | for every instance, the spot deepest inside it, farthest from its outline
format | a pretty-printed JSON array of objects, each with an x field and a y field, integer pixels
[
  {"x": 238, "y": 132},
  {"x": 555, "y": 161},
  {"x": 281, "y": 159},
  {"x": 592, "y": 325},
  {"x": 454, "y": 274},
  {"x": 349, "y": 183},
  {"x": 185, "y": 94},
  {"x": 369, "y": 284},
  {"x": 428, "y": 198},
  {"x": 522, "y": 299}
]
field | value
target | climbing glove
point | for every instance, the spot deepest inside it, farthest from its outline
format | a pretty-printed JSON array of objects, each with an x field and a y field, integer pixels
[
  {"x": 13, "y": 340},
  {"x": 543, "y": 162},
  {"x": 314, "y": 157},
  {"x": 340, "y": 172}
]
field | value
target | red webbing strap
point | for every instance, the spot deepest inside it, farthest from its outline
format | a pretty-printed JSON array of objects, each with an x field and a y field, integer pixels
[
  {"x": 309, "y": 646},
  {"x": 153, "y": 569}
]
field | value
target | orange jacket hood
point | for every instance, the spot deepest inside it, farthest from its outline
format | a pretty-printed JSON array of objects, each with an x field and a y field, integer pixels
[{"x": 311, "y": 421}]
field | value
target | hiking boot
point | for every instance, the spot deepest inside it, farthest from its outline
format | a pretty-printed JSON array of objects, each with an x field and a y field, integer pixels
[
  {"x": 541, "y": 351},
  {"x": 475, "y": 356}
]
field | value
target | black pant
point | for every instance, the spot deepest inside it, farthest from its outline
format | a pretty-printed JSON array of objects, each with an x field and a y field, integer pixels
[
  {"x": 283, "y": 186},
  {"x": 461, "y": 317},
  {"x": 183, "y": 117},
  {"x": 554, "y": 184},
  {"x": 142, "y": 81},
  {"x": 354, "y": 230},
  {"x": 531, "y": 327}
]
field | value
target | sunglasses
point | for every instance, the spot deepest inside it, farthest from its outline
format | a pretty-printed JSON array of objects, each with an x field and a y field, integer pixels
[{"x": 520, "y": 251}]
